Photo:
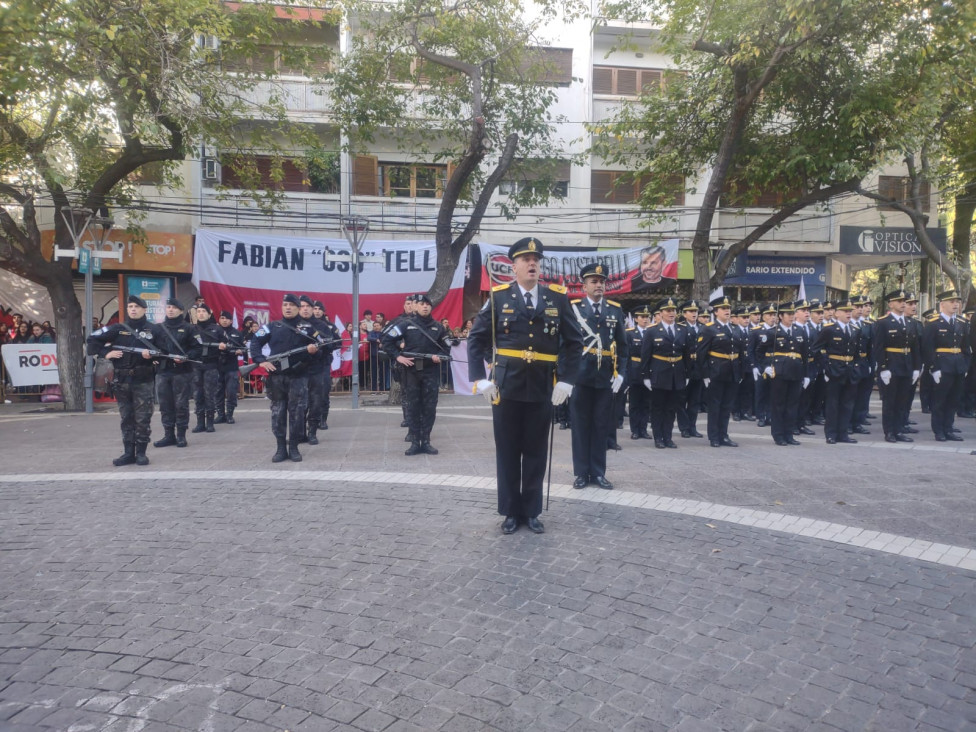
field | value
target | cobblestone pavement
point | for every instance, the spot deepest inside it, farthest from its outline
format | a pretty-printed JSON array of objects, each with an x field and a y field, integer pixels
[{"x": 361, "y": 589}]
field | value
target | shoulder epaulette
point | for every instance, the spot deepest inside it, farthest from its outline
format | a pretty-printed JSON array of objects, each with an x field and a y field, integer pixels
[
  {"x": 629, "y": 330},
  {"x": 756, "y": 327},
  {"x": 499, "y": 288},
  {"x": 561, "y": 289},
  {"x": 611, "y": 302},
  {"x": 932, "y": 319},
  {"x": 576, "y": 302}
]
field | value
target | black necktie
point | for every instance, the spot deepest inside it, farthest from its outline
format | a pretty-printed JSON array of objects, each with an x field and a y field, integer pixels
[
  {"x": 528, "y": 301},
  {"x": 596, "y": 309}
]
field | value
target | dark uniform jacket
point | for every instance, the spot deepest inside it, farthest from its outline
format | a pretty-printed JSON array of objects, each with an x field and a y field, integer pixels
[
  {"x": 530, "y": 346},
  {"x": 720, "y": 351},
  {"x": 757, "y": 334},
  {"x": 227, "y": 359},
  {"x": 945, "y": 346},
  {"x": 418, "y": 334},
  {"x": 634, "y": 342},
  {"x": 141, "y": 334},
  {"x": 786, "y": 351},
  {"x": 895, "y": 347},
  {"x": 666, "y": 359},
  {"x": 838, "y": 353},
  {"x": 328, "y": 338},
  {"x": 603, "y": 356},
  {"x": 280, "y": 337},
  {"x": 865, "y": 365},
  {"x": 179, "y": 337},
  {"x": 209, "y": 336}
]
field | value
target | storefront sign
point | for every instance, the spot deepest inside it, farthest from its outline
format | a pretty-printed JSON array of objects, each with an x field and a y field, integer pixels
[
  {"x": 887, "y": 241},
  {"x": 770, "y": 269}
]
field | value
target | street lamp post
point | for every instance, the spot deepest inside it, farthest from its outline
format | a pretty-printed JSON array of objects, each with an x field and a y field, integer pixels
[
  {"x": 355, "y": 228},
  {"x": 88, "y": 254}
]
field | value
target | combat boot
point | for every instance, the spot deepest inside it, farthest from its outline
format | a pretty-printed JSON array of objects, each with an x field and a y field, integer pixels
[
  {"x": 230, "y": 416},
  {"x": 181, "y": 436},
  {"x": 141, "y": 458},
  {"x": 427, "y": 448},
  {"x": 410, "y": 437},
  {"x": 324, "y": 422},
  {"x": 221, "y": 417},
  {"x": 201, "y": 425},
  {"x": 128, "y": 457},
  {"x": 210, "y": 422},
  {"x": 414, "y": 448},
  {"x": 293, "y": 454},
  {"x": 312, "y": 439},
  {"x": 168, "y": 439},
  {"x": 282, "y": 453}
]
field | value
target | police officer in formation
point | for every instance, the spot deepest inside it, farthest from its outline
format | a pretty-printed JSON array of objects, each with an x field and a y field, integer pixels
[
  {"x": 396, "y": 369},
  {"x": 947, "y": 353},
  {"x": 133, "y": 375},
  {"x": 174, "y": 379},
  {"x": 837, "y": 350},
  {"x": 783, "y": 358},
  {"x": 604, "y": 347},
  {"x": 207, "y": 374},
  {"x": 897, "y": 357},
  {"x": 228, "y": 376},
  {"x": 665, "y": 364},
  {"x": 690, "y": 402},
  {"x": 287, "y": 380},
  {"x": 419, "y": 344},
  {"x": 319, "y": 369},
  {"x": 534, "y": 342},
  {"x": 758, "y": 336},
  {"x": 719, "y": 356},
  {"x": 640, "y": 396},
  {"x": 862, "y": 321}
]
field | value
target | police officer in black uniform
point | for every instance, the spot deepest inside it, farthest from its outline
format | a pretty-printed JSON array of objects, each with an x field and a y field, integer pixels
[
  {"x": 320, "y": 372},
  {"x": 689, "y": 403},
  {"x": 536, "y": 341},
  {"x": 427, "y": 341},
  {"x": 207, "y": 376},
  {"x": 897, "y": 360},
  {"x": 133, "y": 377},
  {"x": 837, "y": 350},
  {"x": 640, "y": 397},
  {"x": 174, "y": 379},
  {"x": 719, "y": 356},
  {"x": 758, "y": 336},
  {"x": 784, "y": 362},
  {"x": 946, "y": 352},
  {"x": 228, "y": 376},
  {"x": 861, "y": 320},
  {"x": 915, "y": 325},
  {"x": 287, "y": 381},
  {"x": 396, "y": 370},
  {"x": 604, "y": 346},
  {"x": 665, "y": 363}
]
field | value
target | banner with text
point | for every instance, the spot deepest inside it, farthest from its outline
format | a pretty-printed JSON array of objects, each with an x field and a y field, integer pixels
[
  {"x": 252, "y": 272},
  {"x": 649, "y": 269},
  {"x": 31, "y": 364}
]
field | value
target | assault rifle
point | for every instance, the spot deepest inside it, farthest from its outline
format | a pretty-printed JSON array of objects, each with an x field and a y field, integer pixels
[
  {"x": 153, "y": 353},
  {"x": 279, "y": 358}
]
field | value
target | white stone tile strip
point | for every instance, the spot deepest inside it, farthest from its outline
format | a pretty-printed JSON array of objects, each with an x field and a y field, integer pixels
[{"x": 904, "y": 546}]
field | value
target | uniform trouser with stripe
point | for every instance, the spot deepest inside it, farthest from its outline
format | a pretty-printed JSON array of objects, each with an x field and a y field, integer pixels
[
  {"x": 173, "y": 389},
  {"x": 640, "y": 408},
  {"x": 946, "y": 395},
  {"x": 761, "y": 398},
  {"x": 691, "y": 399},
  {"x": 590, "y": 413},
  {"x": 894, "y": 400},
  {"x": 664, "y": 408},
  {"x": 720, "y": 396},
  {"x": 784, "y": 406},
  {"x": 838, "y": 407},
  {"x": 521, "y": 447}
]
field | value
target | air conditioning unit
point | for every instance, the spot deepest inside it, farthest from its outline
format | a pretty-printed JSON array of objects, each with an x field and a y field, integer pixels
[{"x": 211, "y": 169}]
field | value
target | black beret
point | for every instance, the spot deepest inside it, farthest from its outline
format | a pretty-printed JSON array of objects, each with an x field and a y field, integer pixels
[
  {"x": 318, "y": 304},
  {"x": 293, "y": 299},
  {"x": 528, "y": 245},
  {"x": 204, "y": 306},
  {"x": 136, "y": 300},
  {"x": 226, "y": 314},
  {"x": 175, "y": 303},
  {"x": 305, "y": 299},
  {"x": 422, "y": 298}
]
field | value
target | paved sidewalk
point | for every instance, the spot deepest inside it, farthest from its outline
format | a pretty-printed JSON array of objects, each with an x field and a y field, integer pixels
[{"x": 758, "y": 588}]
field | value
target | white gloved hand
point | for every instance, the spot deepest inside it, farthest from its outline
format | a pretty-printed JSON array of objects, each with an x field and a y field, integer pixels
[
  {"x": 647, "y": 383},
  {"x": 755, "y": 374},
  {"x": 769, "y": 371},
  {"x": 561, "y": 392},
  {"x": 936, "y": 376},
  {"x": 487, "y": 388},
  {"x": 885, "y": 376},
  {"x": 826, "y": 378},
  {"x": 915, "y": 375},
  {"x": 806, "y": 381},
  {"x": 706, "y": 382},
  {"x": 616, "y": 382}
]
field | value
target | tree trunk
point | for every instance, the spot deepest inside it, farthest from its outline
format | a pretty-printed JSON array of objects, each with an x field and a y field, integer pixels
[
  {"x": 961, "y": 228},
  {"x": 703, "y": 272},
  {"x": 447, "y": 264},
  {"x": 71, "y": 338}
]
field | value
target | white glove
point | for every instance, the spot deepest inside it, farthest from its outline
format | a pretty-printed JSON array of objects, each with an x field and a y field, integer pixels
[
  {"x": 561, "y": 392},
  {"x": 647, "y": 383},
  {"x": 487, "y": 388},
  {"x": 915, "y": 375},
  {"x": 826, "y": 378},
  {"x": 706, "y": 382},
  {"x": 755, "y": 374},
  {"x": 936, "y": 376},
  {"x": 885, "y": 376},
  {"x": 806, "y": 381},
  {"x": 769, "y": 371},
  {"x": 616, "y": 382}
]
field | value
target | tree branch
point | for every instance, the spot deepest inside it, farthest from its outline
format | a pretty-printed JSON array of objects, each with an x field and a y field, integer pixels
[{"x": 474, "y": 221}]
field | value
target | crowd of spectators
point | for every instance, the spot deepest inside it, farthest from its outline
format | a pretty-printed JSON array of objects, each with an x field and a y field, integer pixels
[{"x": 15, "y": 329}]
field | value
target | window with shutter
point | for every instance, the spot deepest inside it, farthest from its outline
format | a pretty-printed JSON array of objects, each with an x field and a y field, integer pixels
[
  {"x": 627, "y": 82},
  {"x": 650, "y": 81},
  {"x": 602, "y": 80},
  {"x": 601, "y": 186},
  {"x": 365, "y": 180}
]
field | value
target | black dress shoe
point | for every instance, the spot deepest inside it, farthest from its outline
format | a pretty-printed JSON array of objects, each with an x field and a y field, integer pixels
[
  {"x": 861, "y": 431},
  {"x": 807, "y": 431},
  {"x": 404, "y": 423},
  {"x": 796, "y": 432},
  {"x": 603, "y": 483},
  {"x": 791, "y": 441},
  {"x": 902, "y": 438},
  {"x": 912, "y": 421},
  {"x": 634, "y": 436},
  {"x": 728, "y": 443},
  {"x": 535, "y": 526},
  {"x": 762, "y": 423},
  {"x": 831, "y": 441},
  {"x": 670, "y": 443},
  {"x": 848, "y": 440},
  {"x": 509, "y": 525},
  {"x": 736, "y": 418},
  {"x": 940, "y": 438},
  {"x": 817, "y": 422},
  {"x": 580, "y": 482},
  {"x": 748, "y": 418},
  {"x": 614, "y": 446},
  {"x": 909, "y": 431},
  {"x": 564, "y": 425},
  {"x": 715, "y": 443},
  {"x": 954, "y": 429},
  {"x": 871, "y": 416},
  {"x": 890, "y": 438},
  {"x": 782, "y": 443},
  {"x": 659, "y": 444},
  {"x": 696, "y": 433},
  {"x": 953, "y": 437},
  {"x": 645, "y": 436},
  {"x": 685, "y": 433}
]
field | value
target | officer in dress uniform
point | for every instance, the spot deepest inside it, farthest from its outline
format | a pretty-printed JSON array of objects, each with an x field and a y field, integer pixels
[
  {"x": 837, "y": 350},
  {"x": 758, "y": 336},
  {"x": 784, "y": 362},
  {"x": 815, "y": 412},
  {"x": 689, "y": 402},
  {"x": 420, "y": 334},
  {"x": 916, "y": 328},
  {"x": 640, "y": 397},
  {"x": 604, "y": 346},
  {"x": 742, "y": 409},
  {"x": 665, "y": 363},
  {"x": 133, "y": 375},
  {"x": 946, "y": 352},
  {"x": 287, "y": 381},
  {"x": 229, "y": 377},
  {"x": 174, "y": 379},
  {"x": 896, "y": 354},
  {"x": 801, "y": 326},
  {"x": 865, "y": 365},
  {"x": 534, "y": 341},
  {"x": 719, "y": 357}
]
